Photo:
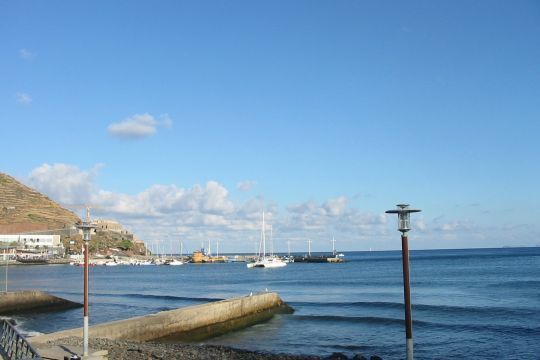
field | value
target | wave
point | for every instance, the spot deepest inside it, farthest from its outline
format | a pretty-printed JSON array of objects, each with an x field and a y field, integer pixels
[
  {"x": 166, "y": 297},
  {"x": 447, "y": 309},
  {"x": 150, "y": 296},
  {"x": 374, "y": 320},
  {"x": 516, "y": 284},
  {"x": 348, "y": 319},
  {"x": 494, "y": 253}
]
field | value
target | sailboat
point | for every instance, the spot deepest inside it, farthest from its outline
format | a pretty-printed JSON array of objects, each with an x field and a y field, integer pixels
[
  {"x": 266, "y": 261},
  {"x": 177, "y": 262}
]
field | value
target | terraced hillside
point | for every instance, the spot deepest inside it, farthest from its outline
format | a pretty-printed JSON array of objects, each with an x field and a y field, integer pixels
[{"x": 23, "y": 209}]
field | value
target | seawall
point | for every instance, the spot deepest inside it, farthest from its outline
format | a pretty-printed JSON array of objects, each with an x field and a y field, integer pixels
[
  {"x": 172, "y": 323},
  {"x": 32, "y": 300}
]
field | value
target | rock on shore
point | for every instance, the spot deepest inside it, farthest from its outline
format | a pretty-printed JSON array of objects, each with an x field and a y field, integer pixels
[{"x": 130, "y": 350}]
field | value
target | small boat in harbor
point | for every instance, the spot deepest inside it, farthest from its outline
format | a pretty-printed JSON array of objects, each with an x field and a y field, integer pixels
[
  {"x": 33, "y": 261},
  {"x": 266, "y": 261},
  {"x": 175, "y": 262},
  {"x": 269, "y": 262}
]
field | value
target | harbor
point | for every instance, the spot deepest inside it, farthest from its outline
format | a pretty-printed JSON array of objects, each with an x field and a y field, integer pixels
[{"x": 353, "y": 307}]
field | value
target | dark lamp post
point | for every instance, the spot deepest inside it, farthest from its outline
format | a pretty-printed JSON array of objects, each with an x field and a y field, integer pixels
[{"x": 404, "y": 225}]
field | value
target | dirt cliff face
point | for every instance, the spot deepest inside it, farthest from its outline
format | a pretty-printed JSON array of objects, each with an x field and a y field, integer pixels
[{"x": 23, "y": 209}]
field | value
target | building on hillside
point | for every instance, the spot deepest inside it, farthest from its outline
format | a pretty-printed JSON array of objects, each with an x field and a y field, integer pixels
[
  {"x": 113, "y": 226},
  {"x": 35, "y": 243},
  {"x": 67, "y": 231},
  {"x": 136, "y": 240}
]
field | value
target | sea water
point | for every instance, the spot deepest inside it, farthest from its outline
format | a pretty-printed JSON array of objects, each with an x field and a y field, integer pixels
[{"x": 475, "y": 303}]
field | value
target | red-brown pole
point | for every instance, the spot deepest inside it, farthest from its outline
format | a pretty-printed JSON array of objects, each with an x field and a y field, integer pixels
[
  {"x": 86, "y": 278},
  {"x": 407, "y": 295},
  {"x": 85, "y": 318}
]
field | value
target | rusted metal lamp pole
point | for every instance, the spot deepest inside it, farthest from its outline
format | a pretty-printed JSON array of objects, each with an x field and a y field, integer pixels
[
  {"x": 404, "y": 225},
  {"x": 86, "y": 227}
]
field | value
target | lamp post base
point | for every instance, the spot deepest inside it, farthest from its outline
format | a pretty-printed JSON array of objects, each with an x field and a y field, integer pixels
[
  {"x": 85, "y": 336},
  {"x": 409, "y": 349}
]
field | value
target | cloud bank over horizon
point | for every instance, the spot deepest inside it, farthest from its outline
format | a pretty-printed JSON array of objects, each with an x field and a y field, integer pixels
[{"x": 209, "y": 211}]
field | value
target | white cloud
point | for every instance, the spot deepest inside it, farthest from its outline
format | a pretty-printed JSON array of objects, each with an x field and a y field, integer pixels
[
  {"x": 335, "y": 207},
  {"x": 66, "y": 184},
  {"x": 206, "y": 211},
  {"x": 23, "y": 98},
  {"x": 26, "y": 54},
  {"x": 455, "y": 226},
  {"x": 169, "y": 200},
  {"x": 138, "y": 126},
  {"x": 420, "y": 224},
  {"x": 246, "y": 185},
  {"x": 203, "y": 211}
]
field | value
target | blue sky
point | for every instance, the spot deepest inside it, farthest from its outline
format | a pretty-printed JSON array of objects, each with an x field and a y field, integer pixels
[{"x": 185, "y": 119}]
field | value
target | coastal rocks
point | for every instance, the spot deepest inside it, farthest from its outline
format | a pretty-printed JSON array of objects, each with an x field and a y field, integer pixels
[
  {"x": 337, "y": 356},
  {"x": 359, "y": 357},
  {"x": 130, "y": 350}
]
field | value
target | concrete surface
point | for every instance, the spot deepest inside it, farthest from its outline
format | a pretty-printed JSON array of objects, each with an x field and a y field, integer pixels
[{"x": 167, "y": 323}]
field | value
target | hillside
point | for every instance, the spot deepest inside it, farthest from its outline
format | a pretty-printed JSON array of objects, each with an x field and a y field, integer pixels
[{"x": 23, "y": 209}]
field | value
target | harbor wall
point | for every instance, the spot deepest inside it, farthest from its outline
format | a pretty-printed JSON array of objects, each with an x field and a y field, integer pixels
[
  {"x": 167, "y": 324},
  {"x": 32, "y": 300}
]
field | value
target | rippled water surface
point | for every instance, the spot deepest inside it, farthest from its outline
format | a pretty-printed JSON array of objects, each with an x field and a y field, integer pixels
[{"x": 480, "y": 303}]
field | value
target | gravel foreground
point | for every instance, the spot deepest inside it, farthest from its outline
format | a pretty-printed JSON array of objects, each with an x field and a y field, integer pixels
[{"x": 129, "y": 350}]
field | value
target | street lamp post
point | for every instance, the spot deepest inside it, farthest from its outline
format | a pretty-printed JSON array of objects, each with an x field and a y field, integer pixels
[
  {"x": 404, "y": 225},
  {"x": 86, "y": 227}
]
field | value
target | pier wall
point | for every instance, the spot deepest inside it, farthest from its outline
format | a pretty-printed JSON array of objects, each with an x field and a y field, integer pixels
[
  {"x": 165, "y": 324},
  {"x": 30, "y": 300}
]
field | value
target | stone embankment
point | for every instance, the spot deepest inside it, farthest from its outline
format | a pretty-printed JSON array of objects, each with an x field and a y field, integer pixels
[
  {"x": 32, "y": 300},
  {"x": 155, "y": 336},
  {"x": 197, "y": 321}
]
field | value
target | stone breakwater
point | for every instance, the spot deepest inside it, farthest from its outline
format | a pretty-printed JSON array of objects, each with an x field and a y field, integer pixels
[
  {"x": 32, "y": 300},
  {"x": 209, "y": 319},
  {"x": 156, "y": 336}
]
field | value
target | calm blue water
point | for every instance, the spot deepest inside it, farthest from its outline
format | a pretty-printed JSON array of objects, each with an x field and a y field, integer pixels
[{"x": 480, "y": 303}]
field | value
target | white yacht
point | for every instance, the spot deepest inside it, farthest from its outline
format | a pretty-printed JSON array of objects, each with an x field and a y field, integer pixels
[
  {"x": 266, "y": 261},
  {"x": 175, "y": 262}
]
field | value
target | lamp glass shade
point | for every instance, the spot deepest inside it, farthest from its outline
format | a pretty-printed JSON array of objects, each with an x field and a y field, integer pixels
[{"x": 404, "y": 221}]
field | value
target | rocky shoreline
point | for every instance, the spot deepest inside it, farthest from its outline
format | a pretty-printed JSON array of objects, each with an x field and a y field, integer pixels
[{"x": 130, "y": 350}]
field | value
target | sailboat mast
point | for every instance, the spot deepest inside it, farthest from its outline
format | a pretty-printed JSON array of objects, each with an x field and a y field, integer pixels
[
  {"x": 271, "y": 240},
  {"x": 289, "y": 247},
  {"x": 263, "y": 239}
]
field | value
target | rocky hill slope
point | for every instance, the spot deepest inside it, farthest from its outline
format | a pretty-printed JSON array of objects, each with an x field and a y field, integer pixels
[{"x": 23, "y": 209}]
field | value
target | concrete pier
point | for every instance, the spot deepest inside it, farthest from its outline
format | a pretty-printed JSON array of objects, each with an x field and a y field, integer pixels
[
  {"x": 32, "y": 300},
  {"x": 169, "y": 324}
]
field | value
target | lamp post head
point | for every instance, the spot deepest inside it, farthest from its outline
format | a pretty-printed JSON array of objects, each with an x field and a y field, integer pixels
[
  {"x": 86, "y": 227},
  {"x": 404, "y": 218}
]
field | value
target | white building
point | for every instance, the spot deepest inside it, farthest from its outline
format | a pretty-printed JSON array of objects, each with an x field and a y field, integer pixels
[{"x": 32, "y": 241}]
